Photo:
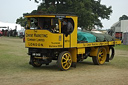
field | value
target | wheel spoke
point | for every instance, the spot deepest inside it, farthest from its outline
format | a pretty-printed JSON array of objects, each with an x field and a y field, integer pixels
[
  {"x": 66, "y": 56},
  {"x": 65, "y": 65},
  {"x": 69, "y": 63},
  {"x": 102, "y": 56},
  {"x": 70, "y": 60},
  {"x": 99, "y": 59},
  {"x": 64, "y": 62},
  {"x": 100, "y": 53},
  {"x": 63, "y": 58}
]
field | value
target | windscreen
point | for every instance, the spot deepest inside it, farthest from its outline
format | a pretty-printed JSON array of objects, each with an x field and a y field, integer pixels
[{"x": 50, "y": 24}]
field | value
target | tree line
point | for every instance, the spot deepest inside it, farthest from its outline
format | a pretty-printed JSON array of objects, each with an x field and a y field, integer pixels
[{"x": 90, "y": 12}]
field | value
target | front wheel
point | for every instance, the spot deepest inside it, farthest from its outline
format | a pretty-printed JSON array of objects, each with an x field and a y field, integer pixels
[
  {"x": 35, "y": 62},
  {"x": 64, "y": 60},
  {"x": 101, "y": 56}
]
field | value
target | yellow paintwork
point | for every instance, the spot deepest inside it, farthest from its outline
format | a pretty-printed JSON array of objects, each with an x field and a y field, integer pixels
[
  {"x": 59, "y": 26},
  {"x": 73, "y": 52},
  {"x": 68, "y": 41},
  {"x": 43, "y": 39},
  {"x": 80, "y": 50},
  {"x": 98, "y": 44},
  {"x": 46, "y": 39},
  {"x": 29, "y": 16},
  {"x": 94, "y": 51},
  {"x": 107, "y": 49},
  {"x": 74, "y": 33}
]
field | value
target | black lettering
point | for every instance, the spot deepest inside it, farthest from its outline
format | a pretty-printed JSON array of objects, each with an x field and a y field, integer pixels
[
  {"x": 41, "y": 35},
  {"x": 88, "y": 44},
  {"x": 38, "y": 44},
  {"x": 52, "y": 46},
  {"x": 67, "y": 40},
  {"x": 31, "y": 39},
  {"x": 29, "y": 35},
  {"x": 42, "y": 40},
  {"x": 32, "y": 44},
  {"x": 55, "y": 42},
  {"x": 41, "y": 44},
  {"x": 59, "y": 45}
]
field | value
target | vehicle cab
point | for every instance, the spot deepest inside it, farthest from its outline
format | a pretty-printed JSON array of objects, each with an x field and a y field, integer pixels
[{"x": 50, "y": 31}]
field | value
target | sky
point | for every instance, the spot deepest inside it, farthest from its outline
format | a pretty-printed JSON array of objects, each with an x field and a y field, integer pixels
[
  {"x": 119, "y": 7},
  {"x": 10, "y": 10}
]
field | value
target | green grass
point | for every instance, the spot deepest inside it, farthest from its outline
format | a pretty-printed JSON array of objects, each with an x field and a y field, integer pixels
[
  {"x": 120, "y": 62},
  {"x": 13, "y": 55},
  {"x": 121, "y": 47},
  {"x": 117, "y": 62},
  {"x": 14, "y": 58}
]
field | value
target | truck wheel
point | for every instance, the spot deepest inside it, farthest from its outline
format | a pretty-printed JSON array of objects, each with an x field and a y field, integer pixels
[
  {"x": 64, "y": 60},
  {"x": 35, "y": 62},
  {"x": 112, "y": 53},
  {"x": 101, "y": 56}
]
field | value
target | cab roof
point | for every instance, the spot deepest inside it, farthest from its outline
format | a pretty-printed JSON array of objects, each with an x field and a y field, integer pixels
[{"x": 50, "y": 15}]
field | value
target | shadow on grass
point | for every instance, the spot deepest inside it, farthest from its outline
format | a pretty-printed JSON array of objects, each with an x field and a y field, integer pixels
[
  {"x": 86, "y": 62},
  {"x": 46, "y": 67},
  {"x": 54, "y": 67}
]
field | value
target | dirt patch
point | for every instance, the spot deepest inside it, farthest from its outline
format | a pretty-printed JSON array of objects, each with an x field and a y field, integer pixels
[
  {"x": 122, "y": 53},
  {"x": 85, "y": 73}
]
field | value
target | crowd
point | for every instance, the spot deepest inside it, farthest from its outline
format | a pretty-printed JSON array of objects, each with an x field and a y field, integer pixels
[{"x": 8, "y": 33}]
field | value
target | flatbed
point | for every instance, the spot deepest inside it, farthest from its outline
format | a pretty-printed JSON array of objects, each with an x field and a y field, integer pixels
[{"x": 94, "y": 44}]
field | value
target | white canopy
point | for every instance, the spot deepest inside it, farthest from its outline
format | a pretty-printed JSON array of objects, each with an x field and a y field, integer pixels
[{"x": 10, "y": 26}]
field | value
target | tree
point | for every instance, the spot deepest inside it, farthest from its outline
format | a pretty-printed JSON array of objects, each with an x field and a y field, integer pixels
[
  {"x": 22, "y": 21},
  {"x": 90, "y": 12},
  {"x": 124, "y": 17}
]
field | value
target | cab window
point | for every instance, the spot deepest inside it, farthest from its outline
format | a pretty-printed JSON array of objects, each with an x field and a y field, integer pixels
[
  {"x": 50, "y": 24},
  {"x": 67, "y": 26}
]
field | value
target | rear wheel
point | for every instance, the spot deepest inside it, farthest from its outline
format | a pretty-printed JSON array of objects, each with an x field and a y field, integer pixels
[
  {"x": 112, "y": 53},
  {"x": 64, "y": 60},
  {"x": 101, "y": 56}
]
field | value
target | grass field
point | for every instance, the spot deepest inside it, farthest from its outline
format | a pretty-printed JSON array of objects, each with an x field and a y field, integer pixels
[
  {"x": 122, "y": 47},
  {"x": 15, "y": 70}
]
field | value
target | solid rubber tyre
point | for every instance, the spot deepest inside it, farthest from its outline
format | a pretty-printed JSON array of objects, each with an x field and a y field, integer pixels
[
  {"x": 34, "y": 62},
  {"x": 112, "y": 53},
  {"x": 101, "y": 56},
  {"x": 64, "y": 60}
]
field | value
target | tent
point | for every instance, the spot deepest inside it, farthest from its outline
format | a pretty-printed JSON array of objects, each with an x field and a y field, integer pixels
[{"x": 10, "y": 26}]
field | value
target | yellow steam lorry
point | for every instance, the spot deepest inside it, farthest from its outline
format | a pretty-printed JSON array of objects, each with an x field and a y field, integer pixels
[{"x": 47, "y": 39}]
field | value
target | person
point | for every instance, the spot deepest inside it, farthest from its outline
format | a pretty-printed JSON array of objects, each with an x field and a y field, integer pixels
[
  {"x": 0, "y": 33},
  {"x": 57, "y": 28},
  {"x": 67, "y": 27},
  {"x": 37, "y": 26},
  {"x": 52, "y": 28}
]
